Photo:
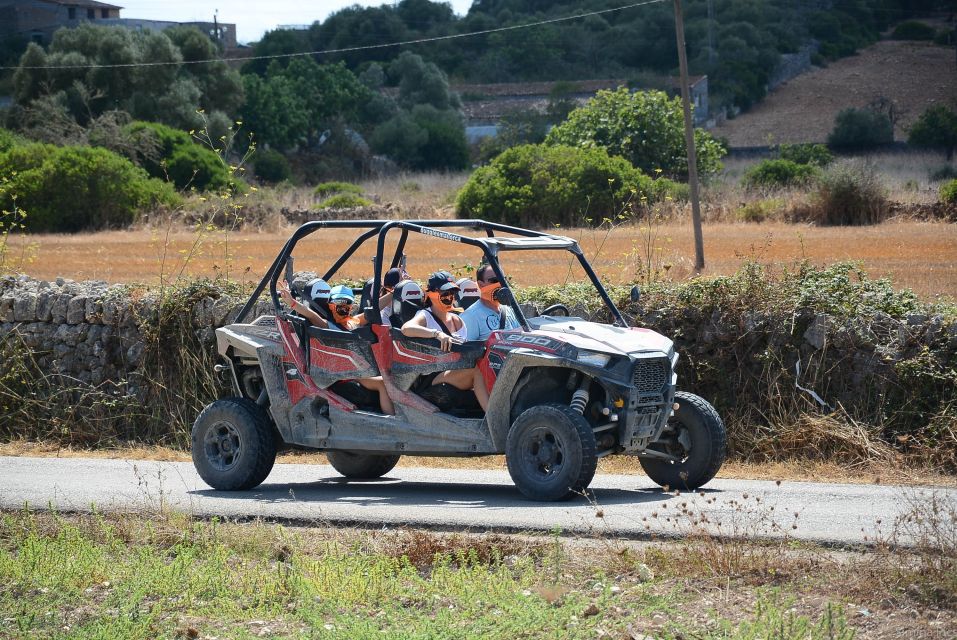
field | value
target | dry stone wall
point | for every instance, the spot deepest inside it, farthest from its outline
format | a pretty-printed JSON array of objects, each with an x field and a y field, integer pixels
[{"x": 897, "y": 373}]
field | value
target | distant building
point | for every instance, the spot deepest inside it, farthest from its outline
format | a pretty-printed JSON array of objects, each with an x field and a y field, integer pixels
[
  {"x": 484, "y": 105},
  {"x": 36, "y": 20}
]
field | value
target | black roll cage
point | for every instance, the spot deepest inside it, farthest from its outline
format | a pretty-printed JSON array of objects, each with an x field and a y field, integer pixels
[{"x": 491, "y": 245}]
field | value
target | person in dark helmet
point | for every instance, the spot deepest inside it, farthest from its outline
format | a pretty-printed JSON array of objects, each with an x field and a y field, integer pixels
[
  {"x": 482, "y": 317},
  {"x": 340, "y": 303},
  {"x": 439, "y": 320},
  {"x": 391, "y": 278}
]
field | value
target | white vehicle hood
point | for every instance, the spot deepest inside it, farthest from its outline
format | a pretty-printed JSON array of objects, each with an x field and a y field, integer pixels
[{"x": 606, "y": 338}]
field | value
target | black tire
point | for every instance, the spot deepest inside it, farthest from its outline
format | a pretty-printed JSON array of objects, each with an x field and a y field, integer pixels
[
  {"x": 704, "y": 430},
  {"x": 361, "y": 466},
  {"x": 550, "y": 452},
  {"x": 234, "y": 445}
]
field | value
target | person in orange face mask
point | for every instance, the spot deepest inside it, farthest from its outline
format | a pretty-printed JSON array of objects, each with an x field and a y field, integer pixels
[
  {"x": 482, "y": 318},
  {"x": 341, "y": 299},
  {"x": 439, "y": 321}
]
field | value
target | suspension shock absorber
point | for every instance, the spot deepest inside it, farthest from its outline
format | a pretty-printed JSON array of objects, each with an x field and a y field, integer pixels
[{"x": 580, "y": 397}]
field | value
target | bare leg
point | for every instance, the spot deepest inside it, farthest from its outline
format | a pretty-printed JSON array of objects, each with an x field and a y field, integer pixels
[
  {"x": 376, "y": 384},
  {"x": 466, "y": 379},
  {"x": 478, "y": 386}
]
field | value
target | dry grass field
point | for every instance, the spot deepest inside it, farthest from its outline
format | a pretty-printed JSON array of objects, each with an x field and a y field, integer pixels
[{"x": 918, "y": 255}]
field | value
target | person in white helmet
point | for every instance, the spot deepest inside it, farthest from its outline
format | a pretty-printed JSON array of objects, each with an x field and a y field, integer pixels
[{"x": 340, "y": 302}]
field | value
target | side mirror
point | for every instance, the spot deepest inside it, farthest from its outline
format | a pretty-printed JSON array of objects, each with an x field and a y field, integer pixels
[{"x": 635, "y": 293}]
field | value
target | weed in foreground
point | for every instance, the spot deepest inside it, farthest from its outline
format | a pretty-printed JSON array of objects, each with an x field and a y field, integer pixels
[{"x": 170, "y": 576}]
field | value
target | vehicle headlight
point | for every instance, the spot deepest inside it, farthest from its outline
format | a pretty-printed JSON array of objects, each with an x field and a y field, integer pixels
[{"x": 598, "y": 360}]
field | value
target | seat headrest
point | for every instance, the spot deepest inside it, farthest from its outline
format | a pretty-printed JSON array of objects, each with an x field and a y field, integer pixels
[
  {"x": 365, "y": 299},
  {"x": 406, "y": 302},
  {"x": 468, "y": 292}
]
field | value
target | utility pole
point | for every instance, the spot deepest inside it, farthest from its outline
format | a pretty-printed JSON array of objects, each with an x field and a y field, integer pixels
[{"x": 689, "y": 139}]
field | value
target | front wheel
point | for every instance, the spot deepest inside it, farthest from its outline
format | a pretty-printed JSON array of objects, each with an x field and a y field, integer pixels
[
  {"x": 550, "y": 452},
  {"x": 234, "y": 445},
  {"x": 361, "y": 466},
  {"x": 695, "y": 435}
]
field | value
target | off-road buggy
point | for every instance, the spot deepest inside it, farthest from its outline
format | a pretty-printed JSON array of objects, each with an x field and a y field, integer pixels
[{"x": 564, "y": 391}]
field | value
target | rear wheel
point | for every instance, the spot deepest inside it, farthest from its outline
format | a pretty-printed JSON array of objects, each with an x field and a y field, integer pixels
[
  {"x": 233, "y": 444},
  {"x": 696, "y": 436},
  {"x": 361, "y": 466},
  {"x": 550, "y": 452}
]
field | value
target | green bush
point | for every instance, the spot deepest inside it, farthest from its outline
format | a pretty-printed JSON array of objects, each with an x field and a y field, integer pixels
[
  {"x": 8, "y": 140},
  {"x": 946, "y": 37},
  {"x": 543, "y": 186},
  {"x": 169, "y": 153},
  {"x": 344, "y": 201},
  {"x": 913, "y": 30},
  {"x": 849, "y": 196},
  {"x": 816, "y": 154},
  {"x": 326, "y": 189},
  {"x": 948, "y": 192},
  {"x": 759, "y": 210},
  {"x": 271, "y": 166},
  {"x": 78, "y": 188},
  {"x": 936, "y": 128},
  {"x": 943, "y": 172},
  {"x": 645, "y": 127},
  {"x": 773, "y": 174},
  {"x": 860, "y": 129}
]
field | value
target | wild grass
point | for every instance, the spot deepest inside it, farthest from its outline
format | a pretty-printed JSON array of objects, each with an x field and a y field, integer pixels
[{"x": 167, "y": 575}]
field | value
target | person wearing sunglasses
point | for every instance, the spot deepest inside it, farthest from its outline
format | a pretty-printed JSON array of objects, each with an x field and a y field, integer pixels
[
  {"x": 439, "y": 321},
  {"x": 341, "y": 301},
  {"x": 482, "y": 318}
]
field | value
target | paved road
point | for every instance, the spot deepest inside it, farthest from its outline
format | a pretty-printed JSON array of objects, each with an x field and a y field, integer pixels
[{"x": 621, "y": 506}]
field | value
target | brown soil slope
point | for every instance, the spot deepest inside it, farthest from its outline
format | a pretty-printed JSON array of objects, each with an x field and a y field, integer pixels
[{"x": 913, "y": 75}]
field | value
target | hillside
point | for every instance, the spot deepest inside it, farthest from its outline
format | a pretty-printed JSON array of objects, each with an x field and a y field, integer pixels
[{"x": 913, "y": 75}]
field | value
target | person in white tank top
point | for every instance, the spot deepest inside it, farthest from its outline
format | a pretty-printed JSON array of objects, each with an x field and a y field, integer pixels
[{"x": 438, "y": 321}]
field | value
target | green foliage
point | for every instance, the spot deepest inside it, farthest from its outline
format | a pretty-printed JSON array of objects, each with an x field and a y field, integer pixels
[
  {"x": 913, "y": 30},
  {"x": 168, "y": 153},
  {"x": 547, "y": 185},
  {"x": 271, "y": 166},
  {"x": 759, "y": 210},
  {"x": 948, "y": 192},
  {"x": 421, "y": 82},
  {"x": 778, "y": 173},
  {"x": 78, "y": 188},
  {"x": 331, "y": 188},
  {"x": 344, "y": 201},
  {"x": 292, "y": 105},
  {"x": 936, "y": 128},
  {"x": 814, "y": 154},
  {"x": 849, "y": 196},
  {"x": 424, "y": 139},
  {"x": 170, "y": 93},
  {"x": 644, "y": 127},
  {"x": 8, "y": 140},
  {"x": 860, "y": 129},
  {"x": 943, "y": 172}
]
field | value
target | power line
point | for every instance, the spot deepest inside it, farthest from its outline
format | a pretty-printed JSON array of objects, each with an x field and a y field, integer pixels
[{"x": 347, "y": 49}]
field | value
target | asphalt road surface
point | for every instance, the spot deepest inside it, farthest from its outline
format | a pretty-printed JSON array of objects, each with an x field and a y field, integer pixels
[{"x": 619, "y": 506}]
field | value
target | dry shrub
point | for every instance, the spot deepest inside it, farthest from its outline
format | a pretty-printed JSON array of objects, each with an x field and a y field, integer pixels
[
  {"x": 916, "y": 559},
  {"x": 848, "y": 196},
  {"x": 836, "y": 437},
  {"x": 422, "y": 548}
]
